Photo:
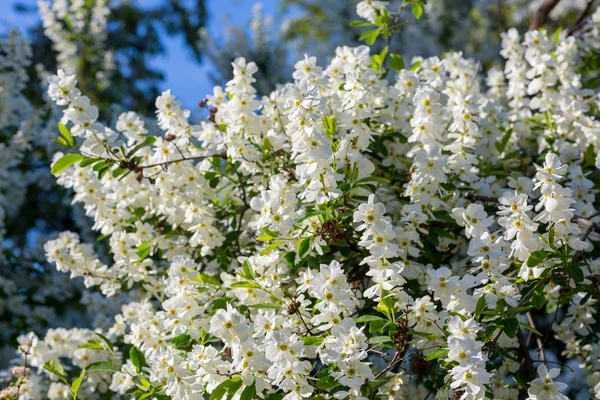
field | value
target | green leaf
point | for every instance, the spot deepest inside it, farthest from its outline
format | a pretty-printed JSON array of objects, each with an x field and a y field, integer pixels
[
  {"x": 148, "y": 141},
  {"x": 330, "y": 125},
  {"x": 264, "y": 237},
  {"x": 575, "y": 272},
  {"x": 396, "y": 62},
  {"x": 557, "y": 35},
  {"x": 77, "y": 383},
  {"x": 360, "y": 23},
  {"x": 377, "y": 326},
  {"x": 219, "y": 391},
  {"x": 229, "y": 387},
  {"x": 213, "y": 280},
  {"x": 65, "y": 134},
  {"x": 538, "y": 299},
  {"x": 589, "y": 157},
  {"x": 417, "y": 10},
  {"x": 55, "y": 368},
  {"x": 531, "y": 328},
  {"x": 481, "y": 303},
  {"x": 376, "y": 62},
  {"x": 89, "y": 161},
  {"x": 103, "y": 366},
  {"x": 181, "y": 341},
  {"x": 501, "y": 145},
  {"x": 271, "y": 247},
  {"x": 441, "y": 352},
  {"x": 60, "y": 141},
  {"x": 369, "y": 318},
  {"x": 249, "y": 392},
  {"x": 65, "y": 162},
  {"x": 443, "y": 233},
  {"x": 429, "y": 336},
  {"x": 266, "y": 306},
  {"x": 370, "y": 36},
  {"x": 304, "y": 248},
  {"x": 251, "y": 285},
  {"x": 416, "y": 66},
  {"x": 312, "y": 340},
  {"x": 137, "y": 358},
  {"x": 512, "y": 154},
  {"x": 537, "y": 257},
  {"x": 379, "y": 340},
  {"x": 375, "y": 179},
  {"x": 247, "y": 270},
  {"x": 107, "y": 342},
  {"x": 143, "y": 250},
  {"x": 511, "y": 327},
  {"x": 91, "y": 344}
]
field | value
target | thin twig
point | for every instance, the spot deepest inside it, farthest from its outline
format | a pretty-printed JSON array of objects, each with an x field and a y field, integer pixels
[
  {"x": 22, "y": 379},
  {"x": 389, "y": 39}
]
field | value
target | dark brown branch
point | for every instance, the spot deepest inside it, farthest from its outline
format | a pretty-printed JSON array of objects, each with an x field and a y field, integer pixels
[
  {"x": 541, "y": 14},
  {"x": 581, "y": 20},
  {"x": 528, "y": 362}
]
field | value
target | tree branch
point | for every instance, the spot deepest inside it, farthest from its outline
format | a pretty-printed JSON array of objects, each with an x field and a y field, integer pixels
[
  {"x": 528, "y": 362},
  {"x": 581, "y": 20},
  {"x": 541, "y": 14}
]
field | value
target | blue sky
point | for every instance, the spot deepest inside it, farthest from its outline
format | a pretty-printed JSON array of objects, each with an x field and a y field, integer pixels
[{"x": 187, "y": 79}]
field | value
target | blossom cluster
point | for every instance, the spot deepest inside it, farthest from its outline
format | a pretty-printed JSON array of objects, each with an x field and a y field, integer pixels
[{"x": 355, "y": 234}]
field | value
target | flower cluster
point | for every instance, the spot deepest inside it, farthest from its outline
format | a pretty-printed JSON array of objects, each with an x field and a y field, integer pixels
[{"x": 358, "y": 233}]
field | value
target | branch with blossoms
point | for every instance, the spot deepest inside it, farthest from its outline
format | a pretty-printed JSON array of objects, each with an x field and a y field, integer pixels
[{"x": 365, "y": 232}]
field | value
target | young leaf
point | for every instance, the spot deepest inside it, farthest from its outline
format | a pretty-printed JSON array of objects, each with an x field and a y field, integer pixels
[
  {"x": 368, "y": 318},
  {"x": 312, "y": 340},
  {"x": 304, "y": 248},
  {"x": 213, "y": 280},
  {"x": 575, "y": 273},
  {"x": 437, "y": 354},
  {"x": 511, "y": 326},
  {"x": 264, "y": 237},
  {"x": 266, "y": 306},
  {"x": 557, "y": 35},
  {"x": 501, "y": 145},
  {"x": 396, "y": 62},
  {"x": 107, "y": 342},
  {"x": 248, "y": 270},
  {"x": 65, "y": 162},
  {"x": 76, "y": 384},
  {"x": 103, "y": 366},
  {"x": 330, "y": 125},
  {"x": 148, "y": 141},
  {"x": 271, "y": 247},
  {"x": 531, "y": 328},
  {"x": 537, "y": 257},
  {"x": 137, "y": 358},
  {"x": 417, "y": 10},
  {"x": 429, "y": 336},
  {"x": 66, "y": 135},
  {"x": 91, "y": 344},
  {"x": 250, "y": 285},
  {"x": 55, "y": 368},
  {"x": 249, "y": 392},
  {"x": 379, "y": 340}
]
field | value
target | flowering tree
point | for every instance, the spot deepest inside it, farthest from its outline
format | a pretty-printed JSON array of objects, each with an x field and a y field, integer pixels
[
  {"x": 109, "y": 45},
  {"x": 346, "y": 236}
]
